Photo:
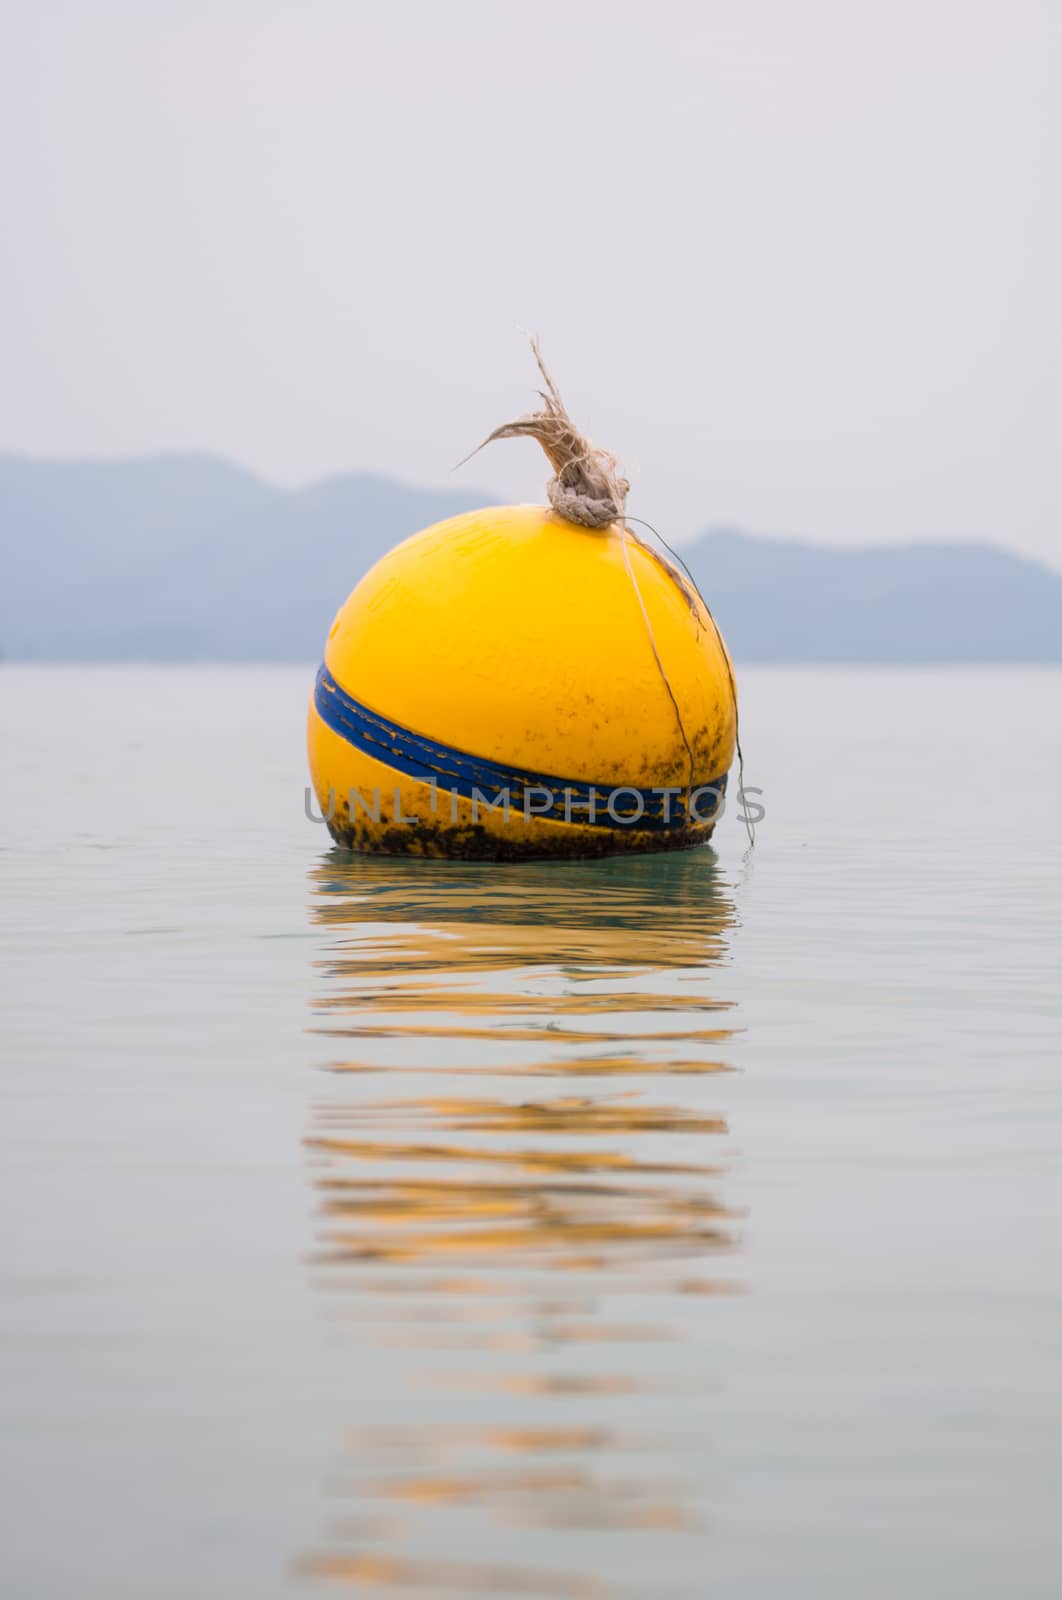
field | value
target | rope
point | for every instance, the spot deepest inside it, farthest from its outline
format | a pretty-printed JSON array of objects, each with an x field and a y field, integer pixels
[
  {"x": 659, "y": 663},
  {"x": 586, "y": 487},
  {"x": 722, "y": 649}
]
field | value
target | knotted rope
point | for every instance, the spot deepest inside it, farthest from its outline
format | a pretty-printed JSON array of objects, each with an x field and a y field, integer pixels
[{"x": 586, "y": 487}]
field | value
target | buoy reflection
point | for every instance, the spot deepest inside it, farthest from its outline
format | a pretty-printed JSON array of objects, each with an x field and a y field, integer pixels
[{"x": 518, "y": 1244}]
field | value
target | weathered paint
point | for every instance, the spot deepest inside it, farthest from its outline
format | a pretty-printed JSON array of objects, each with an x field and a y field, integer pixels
[{"x": 512, "y": 638}]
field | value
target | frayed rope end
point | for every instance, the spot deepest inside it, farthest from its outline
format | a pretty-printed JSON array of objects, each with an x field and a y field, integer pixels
[{"x": 586, "y": 487}]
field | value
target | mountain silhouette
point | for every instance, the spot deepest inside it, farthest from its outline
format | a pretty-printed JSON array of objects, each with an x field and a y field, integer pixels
[{"x": 187, "y": 557}]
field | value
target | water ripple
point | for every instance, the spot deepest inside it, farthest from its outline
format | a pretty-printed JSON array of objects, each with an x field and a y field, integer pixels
[{"x": 501, "y": 1242}]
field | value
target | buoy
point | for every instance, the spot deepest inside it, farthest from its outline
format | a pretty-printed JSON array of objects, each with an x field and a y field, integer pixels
[{"x": 525, "y": 681}]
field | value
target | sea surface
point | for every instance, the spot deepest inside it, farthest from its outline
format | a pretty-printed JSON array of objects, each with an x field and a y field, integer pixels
[{"x": 676, "y": 1227}]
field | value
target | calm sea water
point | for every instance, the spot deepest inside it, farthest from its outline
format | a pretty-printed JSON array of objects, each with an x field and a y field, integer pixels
[{"x": 677, "y": 1227}]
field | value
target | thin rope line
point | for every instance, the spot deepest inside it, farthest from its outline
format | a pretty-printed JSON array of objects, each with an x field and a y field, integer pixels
[
  {"x": 726, "y": 662},
  {"x": 659, "y": 663}
]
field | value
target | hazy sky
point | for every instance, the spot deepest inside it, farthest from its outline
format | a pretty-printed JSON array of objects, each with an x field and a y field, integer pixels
[{"x": 799, "y": 263}]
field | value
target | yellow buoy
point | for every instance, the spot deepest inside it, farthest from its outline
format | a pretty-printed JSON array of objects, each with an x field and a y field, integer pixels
[{"x": 513, "y": 683}]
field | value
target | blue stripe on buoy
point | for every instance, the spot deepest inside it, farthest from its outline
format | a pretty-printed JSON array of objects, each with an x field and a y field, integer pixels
[{"x": 416, "y": 756}]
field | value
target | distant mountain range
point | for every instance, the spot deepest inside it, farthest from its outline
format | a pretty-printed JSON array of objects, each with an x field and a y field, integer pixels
[{"x": 178, "y": 558}]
